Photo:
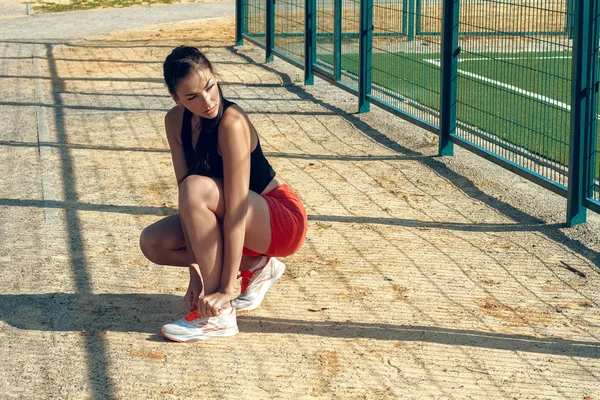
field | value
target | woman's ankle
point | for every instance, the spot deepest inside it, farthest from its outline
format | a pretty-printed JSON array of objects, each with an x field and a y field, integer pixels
[{"x": 249, "y": 262}]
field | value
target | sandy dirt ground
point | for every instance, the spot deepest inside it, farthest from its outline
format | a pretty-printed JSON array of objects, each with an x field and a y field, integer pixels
[{"x": 416, "y": 280}]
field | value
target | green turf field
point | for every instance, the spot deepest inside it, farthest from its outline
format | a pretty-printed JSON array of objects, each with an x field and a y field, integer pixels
[{"x": 520, "y": 97}]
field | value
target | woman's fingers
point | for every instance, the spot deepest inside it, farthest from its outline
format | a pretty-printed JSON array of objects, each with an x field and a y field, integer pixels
[
  {"x": 210, "y": 310},
  {"x": 214, "y": 311},
  {"x": 202, "y": 307},
  {"x": 208, "y": 307}
]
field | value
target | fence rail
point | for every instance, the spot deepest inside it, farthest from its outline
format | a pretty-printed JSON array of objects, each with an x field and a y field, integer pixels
[{"x": 514, "y": 81}]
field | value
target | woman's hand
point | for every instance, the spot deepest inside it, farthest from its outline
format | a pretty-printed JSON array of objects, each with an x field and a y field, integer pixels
[
  {"x": 194, "y": 288},
  {"x": 211, "y": 305}
]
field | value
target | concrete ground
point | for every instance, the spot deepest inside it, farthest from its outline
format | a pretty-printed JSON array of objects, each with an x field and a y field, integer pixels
[{"x": 421, "y": 277}]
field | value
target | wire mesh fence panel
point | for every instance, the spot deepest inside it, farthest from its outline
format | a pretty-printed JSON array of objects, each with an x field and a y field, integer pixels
[
  {"x": 493, "y": 17},
  {"x": 350, "y": 43},
  {"x": 325, "y": 35},
  {"x": 289, "y": 29},
  {"x": 513, "y": 91},
  {"x": 403, "y": 75},
  {"x": 254, "y": 14}
]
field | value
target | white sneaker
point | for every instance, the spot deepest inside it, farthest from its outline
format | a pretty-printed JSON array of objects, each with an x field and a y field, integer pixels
[
  {"x": 255, "y": 285},
  {"x": 195, "y": 327}
]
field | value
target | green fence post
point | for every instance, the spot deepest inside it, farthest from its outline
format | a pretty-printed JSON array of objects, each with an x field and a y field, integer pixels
[
  {"x": 418, "y": 18},
  {"x": 569, "y": 19},
  {"x": 337, "y": 40},
  {"x": 592, "y": 139},
  {"x": 404, "y": 16},
  {"x": 239, "y": 21},
  {"x": 583, "y": 116},
  {"x": 411, "y": 20},
  {"x": 365, "y": 54},
  {"x": 449, "y": 76},
  {"x": 310, "y": 41},
  {"x": 270, "y": 30}
]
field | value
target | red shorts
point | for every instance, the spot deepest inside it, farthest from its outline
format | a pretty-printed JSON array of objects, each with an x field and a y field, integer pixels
[{"x": 288, "y": 223}]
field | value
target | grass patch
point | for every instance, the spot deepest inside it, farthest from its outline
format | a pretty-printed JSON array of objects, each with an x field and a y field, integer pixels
[{"x": 47, "y": 6}]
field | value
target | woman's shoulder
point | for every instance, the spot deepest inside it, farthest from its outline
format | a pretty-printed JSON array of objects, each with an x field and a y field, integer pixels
[
  {"x": 234, "y": 117},
  {"x": 174, "y": 120},
  {"x": 174, "y": 115}
]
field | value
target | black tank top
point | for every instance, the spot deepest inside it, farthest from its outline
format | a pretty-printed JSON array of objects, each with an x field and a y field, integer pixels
[{"x": 261, "y": 172}]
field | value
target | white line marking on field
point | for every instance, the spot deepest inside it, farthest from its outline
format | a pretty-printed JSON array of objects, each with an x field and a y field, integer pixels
[
  {"x": 509, "y": 87},
  {"x": 510, "y": 58}
]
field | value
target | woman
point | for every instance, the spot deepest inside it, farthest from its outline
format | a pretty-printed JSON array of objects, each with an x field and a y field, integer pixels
[{"x": 234, "y": 213}]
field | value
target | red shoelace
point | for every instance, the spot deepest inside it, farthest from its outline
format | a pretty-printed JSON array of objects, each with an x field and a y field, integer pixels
[
  {"x": 246, "y": 276},
  {"x": 193, "y": 315}
]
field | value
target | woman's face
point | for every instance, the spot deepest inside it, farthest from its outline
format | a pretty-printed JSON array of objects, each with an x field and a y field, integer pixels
[{"x": 199, "y": 93}]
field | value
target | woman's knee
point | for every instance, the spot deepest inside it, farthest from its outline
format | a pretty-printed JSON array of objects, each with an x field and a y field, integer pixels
[
  {"x": 198, "y": 191},
  {"x": 149, "y": 244}
]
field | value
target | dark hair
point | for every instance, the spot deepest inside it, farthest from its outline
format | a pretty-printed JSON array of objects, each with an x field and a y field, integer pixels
[
  {"x": 178, "y": 65},
  {"x": 182, "y": 61}
]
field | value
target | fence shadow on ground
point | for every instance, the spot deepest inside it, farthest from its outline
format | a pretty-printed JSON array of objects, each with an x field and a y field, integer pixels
[{"x": 145, "y": 313}]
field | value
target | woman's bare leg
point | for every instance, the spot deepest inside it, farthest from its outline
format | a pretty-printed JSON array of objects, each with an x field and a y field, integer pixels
[
  {"x": 166, "y": 243},
  {"x": 198, "y": 201},
  {"x": 163, "y": 243},
  {"x": 201, "y": 206}
]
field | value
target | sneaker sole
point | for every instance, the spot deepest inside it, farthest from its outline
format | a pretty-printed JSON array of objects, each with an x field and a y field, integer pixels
[
  {"x": 195, "y": 338},
  {"x": 254, "y": 305}
]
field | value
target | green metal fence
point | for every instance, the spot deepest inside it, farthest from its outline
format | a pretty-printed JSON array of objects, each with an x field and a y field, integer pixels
[
  {"x": 513, "y": 81},
  {"x": 251, "y": 20},
  {"x": 498, "y": 18},
  {"x": 289, "y": 30},
  {"x": 403, "y": 79},
  {"x": 513, "y": 92},
  {"x": 326, "y": 32}
]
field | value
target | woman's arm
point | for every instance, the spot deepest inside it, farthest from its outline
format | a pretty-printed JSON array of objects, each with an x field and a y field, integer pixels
[
  {"x": 173, "y": 121},
  {"x": 234, "y": 146}
]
